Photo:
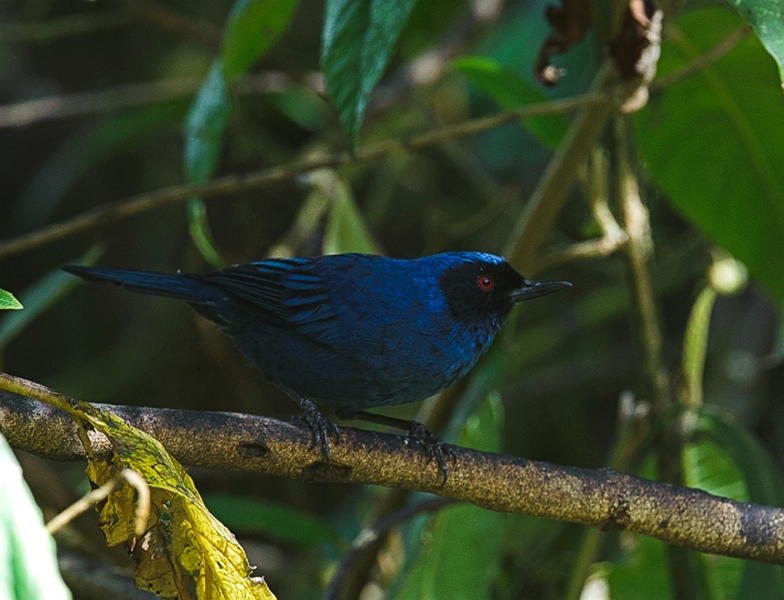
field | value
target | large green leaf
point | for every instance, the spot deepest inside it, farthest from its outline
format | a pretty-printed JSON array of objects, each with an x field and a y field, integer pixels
[
  {"x": 28, "y": 560},
  {"x": 512, "y": 91},
  {"x": 251, "y": 29},
  {"x": 767, "y": 18},
  {"x": 358, "y": 39},
  {"x": 713, "y": 143},
  {"x": 204, "y": 129}
]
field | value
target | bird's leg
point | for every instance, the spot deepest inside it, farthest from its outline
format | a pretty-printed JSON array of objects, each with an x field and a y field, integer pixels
[
  {"x": 433, "y": 446},
  {"x": 319, "y": 425}
]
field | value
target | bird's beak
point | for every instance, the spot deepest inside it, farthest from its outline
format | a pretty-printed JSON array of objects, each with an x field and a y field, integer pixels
[{"x": 534, "y": 289}]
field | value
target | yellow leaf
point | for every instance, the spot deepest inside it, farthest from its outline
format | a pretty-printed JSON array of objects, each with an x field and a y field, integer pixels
[{"x": 185, "y": 551}]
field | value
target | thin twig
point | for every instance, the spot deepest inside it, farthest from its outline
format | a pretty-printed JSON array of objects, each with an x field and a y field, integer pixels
[
  {"x": 173, "y": 21},
  {"x": 101, "y": 493},
  {"x": 233, "y": 184},
  {"x": 60, "y": 27},
  {"x": 82, "y": 104},
  {"x": 682, "y": 563},
  {"x": 640, "y": 252},
  {"x": 556, "y": 182},
  {"x": 613, "y": 236},
  {"x": 91, "y": 498},
  {"x": 704, "y": 60}
]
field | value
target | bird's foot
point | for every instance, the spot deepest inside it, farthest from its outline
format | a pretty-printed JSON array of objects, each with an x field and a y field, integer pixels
[
  {"x": 433, "y": 446},
  {"x": 319, "y": 425}
]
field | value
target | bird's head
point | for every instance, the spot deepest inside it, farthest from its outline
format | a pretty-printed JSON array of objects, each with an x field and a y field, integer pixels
[{"x": 482, "y": 288}]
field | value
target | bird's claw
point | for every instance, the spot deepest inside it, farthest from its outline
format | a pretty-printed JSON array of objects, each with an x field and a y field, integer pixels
[
  {"x": 320, "y": 427},
  {"x": 433, "y": 446}
]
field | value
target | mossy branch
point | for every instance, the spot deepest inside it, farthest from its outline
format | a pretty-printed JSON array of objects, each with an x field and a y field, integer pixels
[{"x": 601, "y": 498}]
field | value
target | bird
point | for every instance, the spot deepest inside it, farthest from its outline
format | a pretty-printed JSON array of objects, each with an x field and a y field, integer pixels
[{"x": 352, "y": 331}]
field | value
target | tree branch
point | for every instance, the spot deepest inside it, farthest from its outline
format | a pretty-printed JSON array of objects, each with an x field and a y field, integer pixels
[
  {"x": 44, "y": 31},
  {"x": 172, "y": 21},
  {"x": 234, "y": 184},
  {"x": 599, "y": 498}
]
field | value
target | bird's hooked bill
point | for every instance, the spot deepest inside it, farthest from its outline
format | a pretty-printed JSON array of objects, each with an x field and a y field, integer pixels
[{"x": 534, "y": 289}]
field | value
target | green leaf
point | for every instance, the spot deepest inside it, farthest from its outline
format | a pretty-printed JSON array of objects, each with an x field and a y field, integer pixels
[
  {"x": 708, "y": 467},
  {"x": 42, "y": 295},
  {"x": 763, "y": 484},
  {"x": 253, "y": 515},
  {"x": 759, "y": 470},
  {"x": 8, "y": 302},
  {"x": 205, "y": 125},
  {"x": 712, "y": 142},
  {"x": 252, "y": 28},
  {"x": 512, "y": 91},
  {"x": 767, "y": 19},
  {"x": 462, "y": 560},
  {"x": 641, "y": 574},
  {"x": 695, "y": 345},
  {"x": 201, "y": 234},
  {"x": 358, "y": 39},
  {"x": 28, "y": 561}
]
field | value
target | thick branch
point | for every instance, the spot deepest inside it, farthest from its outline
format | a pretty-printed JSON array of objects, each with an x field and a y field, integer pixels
[{"x": 600, "y": 498}]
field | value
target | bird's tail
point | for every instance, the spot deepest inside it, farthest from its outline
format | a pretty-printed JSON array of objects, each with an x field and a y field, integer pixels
[{"x": 165, "y": 285}]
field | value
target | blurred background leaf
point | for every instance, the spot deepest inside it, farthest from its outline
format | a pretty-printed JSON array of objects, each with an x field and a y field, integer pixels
[
  {"x": 767, "y": 18},
  {"x": 251, "y": 29},
  {"x": 460, "y": 553},
  {"x": 276, "y": 521},
  {"x": 512, "y": 91}
]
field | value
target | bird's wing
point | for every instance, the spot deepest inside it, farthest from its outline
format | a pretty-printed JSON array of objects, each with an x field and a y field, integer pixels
[{"x": 288, "y": 290}]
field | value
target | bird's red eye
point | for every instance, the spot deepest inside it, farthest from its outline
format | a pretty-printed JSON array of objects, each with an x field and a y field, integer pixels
[{"x": 485, "y": 282}]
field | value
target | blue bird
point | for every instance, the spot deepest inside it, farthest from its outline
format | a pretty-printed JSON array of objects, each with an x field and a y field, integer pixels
[{"x": 352, "y": 331}]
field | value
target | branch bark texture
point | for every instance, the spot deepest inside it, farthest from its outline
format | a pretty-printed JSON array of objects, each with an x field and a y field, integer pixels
[{"x": 601, "y": 498}]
